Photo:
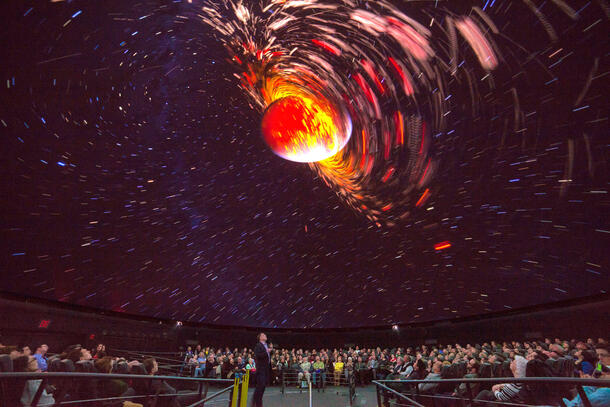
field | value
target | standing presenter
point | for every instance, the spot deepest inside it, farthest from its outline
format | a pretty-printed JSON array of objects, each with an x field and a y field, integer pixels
[{"x": 262, "y": 361}]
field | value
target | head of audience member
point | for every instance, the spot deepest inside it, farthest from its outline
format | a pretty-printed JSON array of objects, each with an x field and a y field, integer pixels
[
  {"x": 76, "y": 353},
  {"x": 518, "y": 366},
  {"x": 603, "y": 353},
  {"x": 437, "y": 367},
  {"x": 473, "y": 366},
  {"x": 104, "y": 365},
  {"x": 151, "y": 366},
  {"x": 26, "y": 364},
  {"x": 24, "y": 350},
  {"x": 41, "y": 349},
  {"x": 555, "y": 351}
]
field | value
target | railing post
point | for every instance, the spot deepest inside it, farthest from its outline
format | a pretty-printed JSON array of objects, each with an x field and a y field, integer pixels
[
  {"x": 583, "y": 396},
  {"x": 43, "y": 384},
  {"x": 234, "y": 393},
  {"x": 245, "y": 383},
  {"x": 309, "y": 393},
  {"x": 378, "y": 396},
  {"x": 469, "y": 388}
]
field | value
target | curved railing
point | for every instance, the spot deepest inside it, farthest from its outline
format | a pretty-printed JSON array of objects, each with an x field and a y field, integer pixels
[
  {"x": 201, "y": 394},
  {"x": 414, "y": 396}
]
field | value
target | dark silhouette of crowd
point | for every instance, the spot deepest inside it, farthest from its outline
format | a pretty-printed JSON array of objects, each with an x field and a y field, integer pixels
[
  {"x": 324, "y": 367},
  {"x": 545, "y": 358},
  {"x": 78, "y": 359}
]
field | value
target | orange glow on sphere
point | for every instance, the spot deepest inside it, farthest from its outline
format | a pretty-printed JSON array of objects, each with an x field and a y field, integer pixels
[{"x": 303, "y": 129}]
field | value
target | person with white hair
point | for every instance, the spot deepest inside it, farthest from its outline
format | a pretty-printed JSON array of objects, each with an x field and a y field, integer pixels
[{"x": 507, "y": 391}]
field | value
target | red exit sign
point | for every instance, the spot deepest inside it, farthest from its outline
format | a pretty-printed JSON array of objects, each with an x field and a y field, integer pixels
[{"x": 44, "y": 323}]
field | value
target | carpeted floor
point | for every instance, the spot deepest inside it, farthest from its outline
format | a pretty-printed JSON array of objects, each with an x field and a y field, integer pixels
[{"x": 331, "y": 397}]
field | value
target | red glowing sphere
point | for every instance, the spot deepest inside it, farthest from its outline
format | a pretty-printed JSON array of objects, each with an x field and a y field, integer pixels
[{"x": 304, "y": 129}]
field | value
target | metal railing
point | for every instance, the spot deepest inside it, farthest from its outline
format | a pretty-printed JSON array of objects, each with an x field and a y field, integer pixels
[
  {"x": 414, "y": 396},
  {"x": 290, "y": 377},
  {"x": 65, "y": 381}
]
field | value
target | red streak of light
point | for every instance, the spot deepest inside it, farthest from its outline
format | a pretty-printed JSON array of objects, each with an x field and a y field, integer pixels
[
  {"x": 387, "y": 207},
  {"x": 405, "y": 81},
  {"x": 365, "y": 88},
  {"x": 425, "y": 172},
  {"x": 276, "y": 54},
  {"x": 387, "y": 144},
  {"x": 400, "y": 128},
  {"x": 442, "y": 245},
  {"x": 423, "y": 133},
  {"x": 423, "y": 197},
  {"x": 237, "y": 59},
  {"x": 371, "y": 71},
  {"x": 325, "y": 46},
  {"x": 369, "y": 166},
  {"x": 388, "y": 174},
  {"x": 363, "y": 161}
]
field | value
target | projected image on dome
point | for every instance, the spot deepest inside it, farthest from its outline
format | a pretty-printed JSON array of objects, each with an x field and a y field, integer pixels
[{"x": 305, "y": 164}]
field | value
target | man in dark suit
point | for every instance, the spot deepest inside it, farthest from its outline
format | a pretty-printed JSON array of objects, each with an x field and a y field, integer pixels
[{"x": 262, "y": 360}]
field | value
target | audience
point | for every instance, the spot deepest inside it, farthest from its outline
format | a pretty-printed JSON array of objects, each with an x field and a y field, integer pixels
[
  {"x": 40, "y": 356},
  {"x": 30, "y": 388},
  {"x": 587, "y": 359}
]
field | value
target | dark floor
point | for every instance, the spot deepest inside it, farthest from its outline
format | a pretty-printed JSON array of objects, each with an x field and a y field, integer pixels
[{"x": 331, "y": 397}]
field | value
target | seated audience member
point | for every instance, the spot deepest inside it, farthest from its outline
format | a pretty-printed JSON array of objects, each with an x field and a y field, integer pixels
[
  {"x": 337, "y": 370},
  {"x": 240, "y": 367},
  {"x": 40, "y": 356},
  {"x": 603, "y": 354},
  {"x": 305, "y": 370},
  {"x": 200, "y": 365},
  {"x": 100, "y": 351},
  {"x": 228, "y": 367},
  {"x": 359, "y": 371},
  {"x": 110, "y": 387},
  {"x": 29, "y": 364},
  {"x": 348, "y": 369},
  {"x": 319, "y": 372},
  {"x": 160, "y": 386},
  {"x": 24, "y": 350},
  {"x": 76, "y": 353},
  {"x": 598, "y": 396},
  {"x": 419, "y": 371},
  {"x": 251, "y": 366},
  {"x": 371, "y": 366},
  {"x": 507, "y": 391},
  {"x": 210, "y": 366},
  {"x": 472, "y": 373},
  {"x": 435, "y": 374},
  {"x": 539, "y": 393}
]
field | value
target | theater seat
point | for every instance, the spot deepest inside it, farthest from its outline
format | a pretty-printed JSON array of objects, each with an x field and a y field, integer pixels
[
  {"x": 54, "y": 365},
  {"x": 138, "y": 370},
  {"x": 121, "y": 368},
  {"x": 66, "y": 365},
  {"x": 84, "y": 366},
  {"x": 141, "y": 387},
  {"x": 506, "y": 372},
  {"x": 6, "y": 363}
]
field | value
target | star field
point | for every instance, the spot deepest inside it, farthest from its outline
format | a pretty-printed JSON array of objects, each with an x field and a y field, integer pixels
[{"x": 134, "y": 177}]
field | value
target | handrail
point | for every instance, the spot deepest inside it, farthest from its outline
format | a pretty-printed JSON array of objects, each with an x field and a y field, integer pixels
[
  {"x": 577, "y": 382},
  {"x": 395, "y": 392},
  {"x": 565, "y": 380},
  {"x": 45, "y": 376},
  {"x": 81, "y": 375},
  {"x": 218, "y": 393},
  {"x": 135, "y": 351}
]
